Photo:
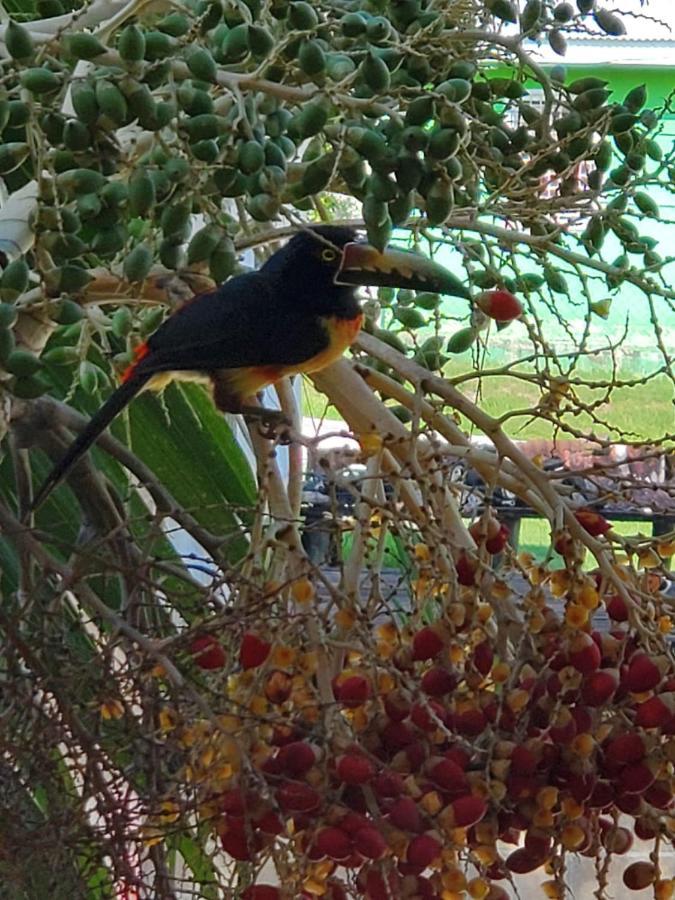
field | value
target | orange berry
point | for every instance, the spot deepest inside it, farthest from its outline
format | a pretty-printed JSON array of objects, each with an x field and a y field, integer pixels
[
  {"x": 302, "y": 590},
  {"x": 478, "y": 888},
  {"x": 572, "y": 837},
  {"x": 664, "y": 889},
  {"x": 500, "y": 672},
  {"x": 576, "y": 615},
  {"x": 547, "y": 797},
  {"x": 345, "y": 618}
]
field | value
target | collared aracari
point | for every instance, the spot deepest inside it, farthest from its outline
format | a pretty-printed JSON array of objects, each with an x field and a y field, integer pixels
[{"x": 297, "y": 313}]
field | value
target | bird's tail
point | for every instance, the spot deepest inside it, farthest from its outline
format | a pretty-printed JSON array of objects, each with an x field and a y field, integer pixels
[{"x": 100, "y": 421}]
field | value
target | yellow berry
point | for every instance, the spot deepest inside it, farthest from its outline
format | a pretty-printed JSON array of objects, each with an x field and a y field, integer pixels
[
  {"x": 547, "y": 797},
  {"x": 478, "y": 888},
  {"x": 422, "y": 552},
  {"x": 664, "y": 889},
  {"x": 302, "y": 590},
  {"x": 453, "y": 879},
  {"x": 576, "y": 615},
  {"x": 583, "y": 744},
  {"x": 572, "y": 837}
]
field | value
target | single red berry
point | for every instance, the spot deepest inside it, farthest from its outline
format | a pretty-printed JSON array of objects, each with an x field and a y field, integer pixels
[
  {"x": 437, "y": 681},
  {"x": 599, "y": 686},
  {"x": 522, "y": 861},
  {"x": 333, "y": 843},
  {"x": 468, "y": 810},
  {"x": 354, "y": 768},
  {"x": 296, "y": 759},
  {"x": 653, "y": 713},
  {"x": 584, "y": 654},
  {"x": 404, "y": 814},
  {"x": 595, "y": 524},
  {"x": 296, "y": 796},
  {"x": 426, "y": 643},
  {"x": 235, "y": 840},
  {"x": 497, "y": 543},
  {"x": 523, "y": 761},
  {"x": 635, "y": 778},
  {"x": 253, "y": 651},
  {"x": 483, "y": 657},
  {"x": 208, "y": 652},
  {"x": 616, "y": 608},
  {"x": 261, "y": 892},
  {"x": 353, "y": 691},
  {"x": 448, "y": 776},
  {"x": 643, "y": 674},
  {"x": 625, "y": 748},
  {"x": 423, "y": 850},
  {"x": 466, "y": 568},
  {"x": 499, "y": 305},
  {"x": 369, "y": 842}
]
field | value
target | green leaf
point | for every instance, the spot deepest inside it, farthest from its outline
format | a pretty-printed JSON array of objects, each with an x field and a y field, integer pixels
[{"x": 190, "y": 447}]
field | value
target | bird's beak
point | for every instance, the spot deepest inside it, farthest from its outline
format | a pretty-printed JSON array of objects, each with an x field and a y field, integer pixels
[{"x": 365, "y": 264}]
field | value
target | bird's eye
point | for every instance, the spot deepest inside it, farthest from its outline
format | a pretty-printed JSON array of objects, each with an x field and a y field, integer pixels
[{"x": 328, "y": 255}]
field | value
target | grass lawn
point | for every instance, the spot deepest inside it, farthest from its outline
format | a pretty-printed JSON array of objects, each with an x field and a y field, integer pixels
[{"x": 643, "y": 412}]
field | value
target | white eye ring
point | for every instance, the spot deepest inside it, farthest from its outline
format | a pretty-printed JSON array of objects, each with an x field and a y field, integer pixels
[{"x": 328, "y": 255}]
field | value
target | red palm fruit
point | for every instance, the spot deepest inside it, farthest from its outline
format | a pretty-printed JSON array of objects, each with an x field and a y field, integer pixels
[
  {"x": 236, "y": 842},
  {"x": 426, "y": 643},
  {"x": 602, "y": 797},
  {"x": 653, "y": 713},
  {"x": 635, "y": 778},
  {"x": 396, "y": 706},
  {"x": 261, "y": 892},
  {"x": 643, "y": 674},
  {"x": 369, "y": 843},
  {"x": 466, "y": 568},
  {"x": 616, "y": 608},
  {"x": 538, "y": 842},
  {"x": 353, "y": 691},
  {"x": 415, "y": 754},
  {"x": 388, "y": 784},
  {"x": 497, "y": 543},
  {"x": 521, "y": 861},
  {"x": 645, "y": 829},
  {"x": 468, "y": 810},
  {"x": 458, "y": 755},
  {"x": 499, "y": 305},
  {"x": 377, "y": 886},
  {"x": 352, "y": 821},
  {"x": 582, "y": 719},
  {"x": 296, "y": 796},
  {"x": 625, "y": 748},
  {"x": 447, "y": 775},
  {"x": 471, "y": 722},
  {"x": 592, "y": 522},
  {"x": 598, "y": 687},
  {"x": 333, "y": 843},
  {"x": 617, "y": 840},
  {"x": 278, "y": 687},
  {"x": 423, "y": 850},
  {"x": 296, "y": 758},
  {"x": 523, "y": 761},
  {"x": 253, "y": 651},
  {"x": 582, "y": 786},
  {"x": 233, "y": 802},
  {"x": 659, "y": 795},
  {"x": 483, "y": 657},
  {"x": 584, "y": 654},
  {"x": 404, "y": 814},
  {"x": 481, "y": 529},
  {"x": 421, "y": 715},
  {"x": 564, "y": 729},
  {"x": 396, "y": 735},
  {"x": 631, "y": 804},
  {"x": 354, "y": 768},
  {"x": 208, "y": 652},
  {"x": 269, "y": 823},
  {"x": 639, "y": 875},
  {"x": 437, "y": 681}
]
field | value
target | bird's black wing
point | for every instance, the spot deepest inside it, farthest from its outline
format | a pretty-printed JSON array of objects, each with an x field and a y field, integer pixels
[{"x": 244, "y": 322}]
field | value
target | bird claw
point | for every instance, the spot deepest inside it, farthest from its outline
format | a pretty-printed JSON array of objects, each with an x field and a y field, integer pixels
[{"x": 274, "y": 425}]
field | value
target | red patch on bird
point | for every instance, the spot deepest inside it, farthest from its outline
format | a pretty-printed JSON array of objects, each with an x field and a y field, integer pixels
[{"x": 139, "y": 353}]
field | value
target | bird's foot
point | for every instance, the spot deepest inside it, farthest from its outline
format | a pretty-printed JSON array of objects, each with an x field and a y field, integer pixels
[{"x": 274, "y": 425}]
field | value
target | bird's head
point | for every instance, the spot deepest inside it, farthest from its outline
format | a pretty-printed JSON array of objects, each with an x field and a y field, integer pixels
[{"x": 330, "y": 260}]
